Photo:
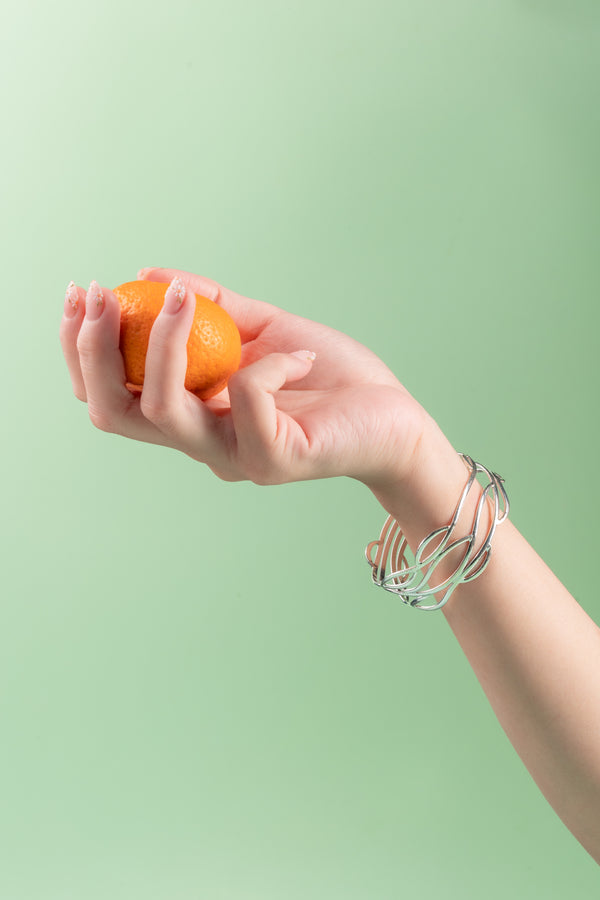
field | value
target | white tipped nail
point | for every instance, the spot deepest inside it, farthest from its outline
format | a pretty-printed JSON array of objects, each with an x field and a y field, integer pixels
[{"x": 305, "y": 354}]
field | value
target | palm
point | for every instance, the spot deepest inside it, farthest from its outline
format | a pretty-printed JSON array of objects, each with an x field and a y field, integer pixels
[{"x": 349, "y": 392}]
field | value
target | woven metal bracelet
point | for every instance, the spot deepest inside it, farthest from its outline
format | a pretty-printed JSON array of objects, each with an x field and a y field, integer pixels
[{"x": 388, "y": 560}]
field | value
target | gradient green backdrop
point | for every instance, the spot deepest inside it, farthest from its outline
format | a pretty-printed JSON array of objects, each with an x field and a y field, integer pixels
[{"x": 202, "y": 697}]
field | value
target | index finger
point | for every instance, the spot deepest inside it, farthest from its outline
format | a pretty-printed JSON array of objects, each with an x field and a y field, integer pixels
[{"x": 250, "y": 316}]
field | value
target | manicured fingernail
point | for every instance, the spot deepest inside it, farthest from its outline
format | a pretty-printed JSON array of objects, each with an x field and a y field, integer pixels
[
  {"x": 175, "y": 295},
  {"x": 71, "y": 300},
  {"x": 305, "y": 354},
  {"x": 94, "y": 301}
]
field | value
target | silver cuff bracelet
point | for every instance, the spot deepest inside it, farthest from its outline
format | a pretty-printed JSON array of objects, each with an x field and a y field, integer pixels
[{"x": 387, "y": 555}]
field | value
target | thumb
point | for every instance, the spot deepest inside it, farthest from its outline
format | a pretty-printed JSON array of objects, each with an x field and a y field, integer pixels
[{"x": 261, "y": 429}]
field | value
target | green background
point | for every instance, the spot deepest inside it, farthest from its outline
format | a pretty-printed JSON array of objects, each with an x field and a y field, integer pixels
[{"x": 201, "y": 694}]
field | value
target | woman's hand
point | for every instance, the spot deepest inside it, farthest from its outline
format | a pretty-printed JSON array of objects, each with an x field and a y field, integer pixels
[{"x": 282, "y": 418}]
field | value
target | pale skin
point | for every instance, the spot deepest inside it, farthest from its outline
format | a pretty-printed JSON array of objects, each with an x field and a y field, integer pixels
[{"x": 286, "y": 417}]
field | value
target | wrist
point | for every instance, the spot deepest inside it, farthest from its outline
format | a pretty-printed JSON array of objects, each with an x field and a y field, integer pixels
[
  {"x": 427, "y": 501},
  {"x": 425, "y": 497}
]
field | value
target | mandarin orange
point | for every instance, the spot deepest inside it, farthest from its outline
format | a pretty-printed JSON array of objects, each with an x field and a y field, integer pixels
[{"x": 214, "y": 346}]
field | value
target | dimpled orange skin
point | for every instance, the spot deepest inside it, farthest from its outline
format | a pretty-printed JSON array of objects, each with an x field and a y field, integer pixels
[{"x": 214, "y": 346}]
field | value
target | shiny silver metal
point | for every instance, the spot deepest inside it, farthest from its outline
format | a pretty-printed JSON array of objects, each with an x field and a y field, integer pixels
[{"x": 410, "y": 582}]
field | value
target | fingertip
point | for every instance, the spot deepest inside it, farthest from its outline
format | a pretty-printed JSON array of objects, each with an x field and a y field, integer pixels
[
  {"x": 301, "y": 364},
  {"x": 175, "y": 295},
  {"x": 100, "y": 302},
  {"x": 157, "y": 273},
  {"x": 94, "y": 301},
  {"x": 149, "y": 272},
  {"x": 72, "y": 302}
]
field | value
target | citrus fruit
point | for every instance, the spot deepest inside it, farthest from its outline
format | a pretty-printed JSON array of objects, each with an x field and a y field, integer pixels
[{"x": 214, "y": 346}]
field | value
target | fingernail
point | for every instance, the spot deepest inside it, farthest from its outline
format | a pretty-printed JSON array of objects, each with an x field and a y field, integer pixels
[
  {"x": 71, "y": 300},
  {"x": 305, "y": 354},
  {"x": 141, "y": 273},
  {"x": 175, "y": 295},
  {"x": 94, "y": 301}
]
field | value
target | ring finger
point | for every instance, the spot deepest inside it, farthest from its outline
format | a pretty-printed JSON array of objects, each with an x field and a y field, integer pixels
[{"x": 111, "y": 406}]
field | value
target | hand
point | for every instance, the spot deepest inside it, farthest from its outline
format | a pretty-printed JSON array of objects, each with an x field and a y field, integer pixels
[{"x": 282, "y": 417}]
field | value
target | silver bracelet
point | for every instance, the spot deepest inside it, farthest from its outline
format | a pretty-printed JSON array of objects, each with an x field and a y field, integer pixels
[{"x": 410, "y": 582}]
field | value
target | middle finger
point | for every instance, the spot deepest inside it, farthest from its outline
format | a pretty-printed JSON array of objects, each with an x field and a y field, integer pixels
[{"x": 165, "y": 400}]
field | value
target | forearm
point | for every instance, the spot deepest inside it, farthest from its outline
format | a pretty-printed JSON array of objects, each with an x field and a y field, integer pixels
[{"x": 534, "y": 650}]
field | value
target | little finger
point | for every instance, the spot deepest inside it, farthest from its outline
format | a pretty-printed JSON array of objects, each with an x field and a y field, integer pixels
[{"x": 73, "y": 313}]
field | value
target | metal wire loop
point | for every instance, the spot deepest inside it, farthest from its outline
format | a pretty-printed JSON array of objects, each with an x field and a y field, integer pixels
[{"x": 387, "y": 556}]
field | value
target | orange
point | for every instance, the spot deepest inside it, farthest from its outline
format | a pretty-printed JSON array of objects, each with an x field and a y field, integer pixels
[{"x": 214, "y": 347}]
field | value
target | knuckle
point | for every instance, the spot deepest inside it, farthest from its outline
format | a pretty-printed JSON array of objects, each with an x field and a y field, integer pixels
[
  {"x": 267, "y": 479},
  {"x": 241, "y": 383},
  {"x": 157, "y": 412},
  {"x": 85, "y": 346},
  {"x": 102, "y": 420},
  {"x": 262, "y": 480},
  {"x": 265, "y": 471},
  {"x": 225, "y": 474}
]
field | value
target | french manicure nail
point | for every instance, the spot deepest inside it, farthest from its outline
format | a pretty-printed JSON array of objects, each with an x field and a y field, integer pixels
[
  {"x": 94, "y": 301},
  {"x": 305, "y": 354},
  {"x": 175, "y": 295},
  {"x": 71, "y": 300}
]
